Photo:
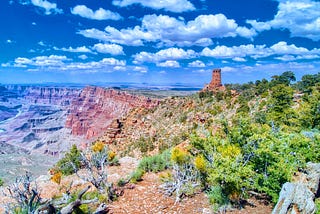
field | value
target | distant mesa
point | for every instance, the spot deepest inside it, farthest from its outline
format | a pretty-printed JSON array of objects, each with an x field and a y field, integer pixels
[{"x": 215, "y": 84}]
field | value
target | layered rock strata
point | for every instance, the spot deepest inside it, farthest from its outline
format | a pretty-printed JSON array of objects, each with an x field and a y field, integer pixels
[{"x": 95, "y": 109}]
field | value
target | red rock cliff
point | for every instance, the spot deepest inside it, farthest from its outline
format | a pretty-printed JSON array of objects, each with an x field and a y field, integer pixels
[{"x": 93, "y": 111}]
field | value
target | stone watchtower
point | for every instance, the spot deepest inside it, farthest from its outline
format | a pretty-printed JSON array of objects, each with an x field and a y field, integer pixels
[
  {"x": 215, "y": 83},
  {"x": 216, "y": 78}
]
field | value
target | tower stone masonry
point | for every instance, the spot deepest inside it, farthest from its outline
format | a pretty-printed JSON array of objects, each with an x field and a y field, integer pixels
[
  {"x": 215, "y": 83},
  {"x": 216, "y": 78}
]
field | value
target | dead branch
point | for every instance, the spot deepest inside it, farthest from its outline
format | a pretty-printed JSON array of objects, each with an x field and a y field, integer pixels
[
  {"x": 25, "y": 195},
  {"x": 102, "y": 209},
  {"x": 184, "y": 177},
  {"x": 75, "y": 204}
]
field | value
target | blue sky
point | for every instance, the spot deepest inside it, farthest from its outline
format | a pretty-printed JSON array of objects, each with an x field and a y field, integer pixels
[{"x": 168, "y": 41}]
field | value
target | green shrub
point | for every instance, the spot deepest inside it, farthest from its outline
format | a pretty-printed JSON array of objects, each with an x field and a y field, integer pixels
[
  {"x": 216, "y": 197},
  {"x": 145, "y": 144},
  {"x": 155, "y": 163},
  {"x": 70, "y": 160},
  {"x": 136, "y": 175},
  {"x": 121, "y": 182},
  {"x": 183, "y": 118},
  {"x": 90, "y": 195},
  {"x": 317, "y": 202},
  {"x": 82, "y": 209},
  {"x": 1, "y": 182}
]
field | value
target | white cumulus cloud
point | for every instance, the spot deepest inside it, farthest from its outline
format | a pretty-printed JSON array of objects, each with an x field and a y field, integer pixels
[
  {"x": 300, "y": 17},
  {"x": 113, "y": 49},
  {"x": 62, "y": 63},
  {"x": 82, "y": 49},
  {"x": 140, "y": 69},
  {"x": 281, "y": 50},
  {"x": 197, "y": 64},
  {"x": 40, "y": 61},
  {"x": 169, "y": 31},
  {"x": 169, "y": 63},
  {"x": 164, "y": 55},
  {"x": 83, "y": 57},
  {"x": 113, "y": 61},
  {"x": 239, "y": 59},
  {"x": 132, "y": 37},
  {"x": 100, "y": 14},
  {"x": 176, "y": 6},
  {"x": 47, "y": 6}
]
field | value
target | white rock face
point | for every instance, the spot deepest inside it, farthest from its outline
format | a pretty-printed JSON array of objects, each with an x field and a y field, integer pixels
[{"x": 299, "y": 197}]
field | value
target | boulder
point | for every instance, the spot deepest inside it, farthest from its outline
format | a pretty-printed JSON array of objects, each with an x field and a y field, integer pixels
[
  {"x": 313, "y": 177},
  {"x": 295, "y": 198},
  {"x": 298, "y": 197}
]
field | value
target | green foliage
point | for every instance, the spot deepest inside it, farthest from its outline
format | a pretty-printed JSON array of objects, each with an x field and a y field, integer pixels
[
  {"x": 307, "y": 82},
  {"x": 200, "y": 163},
  {"x": 82, "y": 209},
  {"x": 70, "y": 161},
  {"x": 280, "y": 103},
  {"x": 216, "y": 197},
  {"x": 20, "y": 210},
  {"x": 281, "y": 97},
  {"x": 1, "y": 182},
  {"x": 252, "y": 154},
  {"x": 156, "y": 163},
  {"x": 310, "y": 109},
  {"x": 226, "y": 166},
  {"x": 262, "y": 87},
  {"x": 205, "y": 94},
  {"x": 121, "y": 182},
  {"x": 179, "y": 156},
  {"x": 285, "y": 78},
  {"x": 145, "y": 144},
  {"x": 90, "y": 195},
  {"x": 137, "y": 175},
  {"x": 317, "y": 202}
]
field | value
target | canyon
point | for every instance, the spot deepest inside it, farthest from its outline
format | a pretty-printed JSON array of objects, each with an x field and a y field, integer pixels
[
  {"x": 48, "y": 120},
  {"x": 43, "y": 122},
  {"x": 37, "y": 119}
]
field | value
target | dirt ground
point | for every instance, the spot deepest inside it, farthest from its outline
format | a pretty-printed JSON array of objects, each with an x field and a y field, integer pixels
[
  {"x": 142, "y": 197},
  {"x": 146, "y": 197}
]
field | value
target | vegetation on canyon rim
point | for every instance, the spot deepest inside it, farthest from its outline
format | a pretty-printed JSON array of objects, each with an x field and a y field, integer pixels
[
  {"x": 252, "y": 138},
  {"x": 272, "y": 134}
]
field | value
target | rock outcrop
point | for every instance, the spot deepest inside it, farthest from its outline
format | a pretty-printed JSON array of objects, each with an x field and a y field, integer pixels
[
  {"x": 298, "y": 197},
  {"x": 95, "y": 109}
]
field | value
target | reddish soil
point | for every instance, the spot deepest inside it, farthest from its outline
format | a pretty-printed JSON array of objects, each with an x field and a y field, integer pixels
[
  {"x": 146, "y": 197},
  {"x": 143, "y": 197}
]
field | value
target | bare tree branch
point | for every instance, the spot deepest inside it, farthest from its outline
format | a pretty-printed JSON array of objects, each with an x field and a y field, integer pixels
[{"x": 75, "y": 204}]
